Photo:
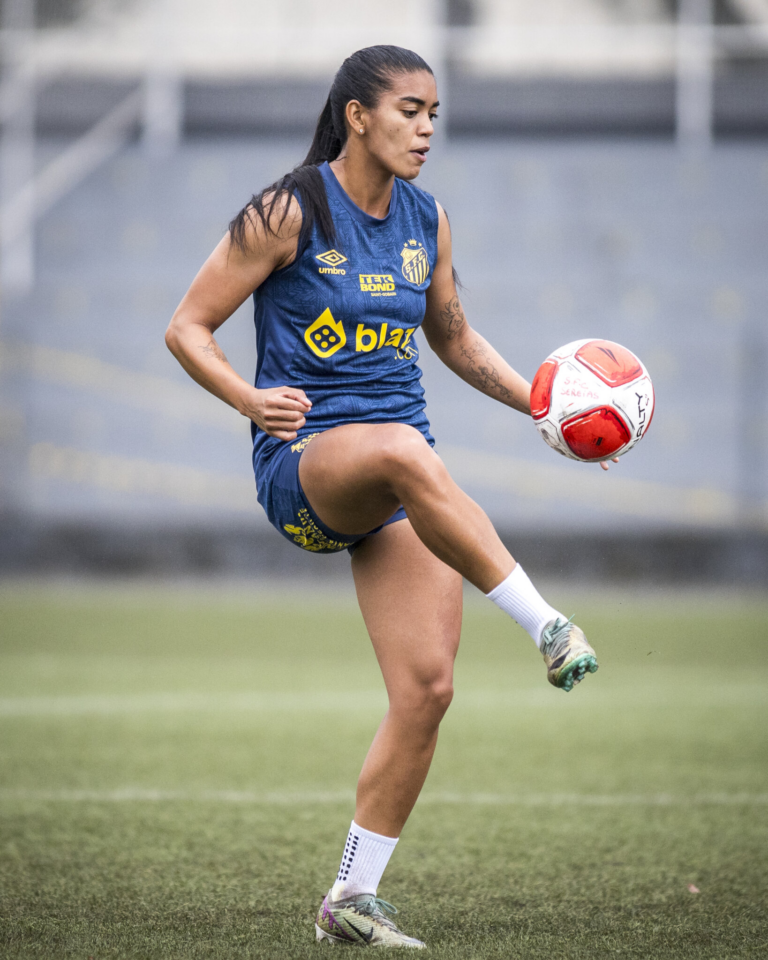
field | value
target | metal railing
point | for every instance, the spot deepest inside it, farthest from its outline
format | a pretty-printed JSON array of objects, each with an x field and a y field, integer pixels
[{"x": 693, "y": 45}]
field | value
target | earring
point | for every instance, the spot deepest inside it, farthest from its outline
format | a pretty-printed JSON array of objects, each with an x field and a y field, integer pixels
[{"x": 361, "y": 130}]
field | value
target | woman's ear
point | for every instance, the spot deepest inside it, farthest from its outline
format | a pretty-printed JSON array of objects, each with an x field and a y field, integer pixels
[{"x": 354, "y": 116}]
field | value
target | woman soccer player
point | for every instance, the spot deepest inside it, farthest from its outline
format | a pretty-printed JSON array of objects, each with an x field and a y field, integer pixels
[{"x": 346, "y": 259}]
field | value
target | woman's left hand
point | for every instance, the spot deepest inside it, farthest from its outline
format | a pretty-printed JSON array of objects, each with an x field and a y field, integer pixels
[{"x": 607, "y": 466}]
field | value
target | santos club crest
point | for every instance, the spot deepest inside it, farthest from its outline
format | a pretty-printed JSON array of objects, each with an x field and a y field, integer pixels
[{"x": 415, "y": 262}]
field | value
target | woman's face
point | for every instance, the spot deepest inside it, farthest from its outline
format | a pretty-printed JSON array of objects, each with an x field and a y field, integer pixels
[{"x": 398, "y": 129}]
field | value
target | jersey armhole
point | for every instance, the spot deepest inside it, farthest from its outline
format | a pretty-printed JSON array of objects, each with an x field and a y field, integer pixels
[{"x": 282, "y": 271}]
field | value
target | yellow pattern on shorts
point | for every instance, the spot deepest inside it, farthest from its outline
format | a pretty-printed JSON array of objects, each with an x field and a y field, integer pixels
[
  {"x": 310, "y": 536},
  {"x": 300, "y": 444}
]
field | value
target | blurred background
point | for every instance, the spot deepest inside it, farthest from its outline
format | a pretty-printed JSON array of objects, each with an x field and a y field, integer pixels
[
  {"x": 185, "y": 697},
  {"x": 605, "y": 167}
]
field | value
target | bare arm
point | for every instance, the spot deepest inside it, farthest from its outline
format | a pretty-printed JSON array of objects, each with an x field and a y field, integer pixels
[
  {"x": 461, "y": 348},
  {"x": 225, "y": 281}
]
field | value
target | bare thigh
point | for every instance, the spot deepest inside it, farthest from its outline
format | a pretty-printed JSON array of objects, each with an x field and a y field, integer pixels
[
  {"x": 412, "y": 606},
  {"x": 355, "y": 476},
  {"x": 347, "y": 472}
]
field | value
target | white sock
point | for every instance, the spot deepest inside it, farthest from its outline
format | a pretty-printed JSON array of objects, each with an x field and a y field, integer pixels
[
  {"x": 518, "y": 597},
  {"x": 365, "y": 857}
]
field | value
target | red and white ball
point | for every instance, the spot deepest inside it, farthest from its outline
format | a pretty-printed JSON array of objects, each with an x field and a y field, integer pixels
[{"x": 592, "y": 400}]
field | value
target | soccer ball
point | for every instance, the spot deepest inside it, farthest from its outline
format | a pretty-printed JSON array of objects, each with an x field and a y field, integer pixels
[{"x": 592, "y": 400}]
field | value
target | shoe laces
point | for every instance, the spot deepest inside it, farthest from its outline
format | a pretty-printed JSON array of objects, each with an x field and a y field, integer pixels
[
  {"x": 373, "y": 905},
  {"x": 556, "y": 637}
]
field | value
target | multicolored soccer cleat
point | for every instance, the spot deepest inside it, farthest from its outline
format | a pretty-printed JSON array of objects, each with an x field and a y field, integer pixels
[
  {"x": 567, "y": 654},
  {"x": 361, "y": 920}
]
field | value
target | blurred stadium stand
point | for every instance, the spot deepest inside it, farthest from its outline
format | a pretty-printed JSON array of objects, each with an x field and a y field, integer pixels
[
  {"x": 509, "y": 66},
  {"x": 111, "y": 459}
]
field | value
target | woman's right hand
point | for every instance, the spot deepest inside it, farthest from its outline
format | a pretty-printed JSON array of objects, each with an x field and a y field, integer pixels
[{"x": 278, "y": 411}]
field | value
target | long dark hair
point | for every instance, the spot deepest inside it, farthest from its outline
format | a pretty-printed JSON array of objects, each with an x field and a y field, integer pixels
[{"x": 364, "y": 76}]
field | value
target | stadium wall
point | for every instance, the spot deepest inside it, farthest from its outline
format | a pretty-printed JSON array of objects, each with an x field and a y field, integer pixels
[
  {"x": 550, "y": 106},
  {"x": 29, "y": 546}
]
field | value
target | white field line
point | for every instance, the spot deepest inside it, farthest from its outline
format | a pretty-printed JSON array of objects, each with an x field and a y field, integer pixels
[
  {"x": 313, "y": 797},
  {"x": 364, "y": 701}
]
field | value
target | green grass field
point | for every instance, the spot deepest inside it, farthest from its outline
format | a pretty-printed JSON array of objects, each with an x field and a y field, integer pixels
[{"x": 178, "y": 771}]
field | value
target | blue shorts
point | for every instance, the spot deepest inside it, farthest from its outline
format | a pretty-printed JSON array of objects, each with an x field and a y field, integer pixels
[{"x": 288, "y": 510}]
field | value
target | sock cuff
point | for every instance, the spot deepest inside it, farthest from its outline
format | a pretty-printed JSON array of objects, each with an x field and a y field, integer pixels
[
  {"x": 510, "y": 581},
  {"x": 369, "y": 835}
]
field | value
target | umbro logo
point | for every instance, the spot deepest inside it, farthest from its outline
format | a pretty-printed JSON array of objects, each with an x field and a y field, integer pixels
[{"x": 332, "y": 259}]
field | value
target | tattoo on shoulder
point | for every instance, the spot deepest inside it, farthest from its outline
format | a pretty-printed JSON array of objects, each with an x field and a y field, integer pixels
[
  {"x": 453, "y": 317},
  {"x": 482, "y": 373},
  {"x": 214, "y": 351}
]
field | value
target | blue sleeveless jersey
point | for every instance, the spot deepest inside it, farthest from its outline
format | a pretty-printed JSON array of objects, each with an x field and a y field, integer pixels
[{"x": 341, "y": 323}]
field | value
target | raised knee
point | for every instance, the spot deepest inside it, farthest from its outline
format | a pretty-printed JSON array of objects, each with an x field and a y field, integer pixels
[
  {"x": 400, "y": 444},
  {"x": 405, "y": 452}
]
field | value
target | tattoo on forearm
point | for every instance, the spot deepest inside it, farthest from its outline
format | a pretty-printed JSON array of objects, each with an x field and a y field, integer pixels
[
  {"x": 482, "y": 373},
  {"x": 453, "y": 316},
  {"x": 213, "y": 350}
]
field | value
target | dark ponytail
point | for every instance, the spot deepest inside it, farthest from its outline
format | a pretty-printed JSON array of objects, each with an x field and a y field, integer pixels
[
  {"x": 326, "y": 143},
  {"x": 364, "y": 76}
]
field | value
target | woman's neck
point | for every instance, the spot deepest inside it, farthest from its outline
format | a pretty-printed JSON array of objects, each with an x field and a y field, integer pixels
[{"x": 366, "y": 184}]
